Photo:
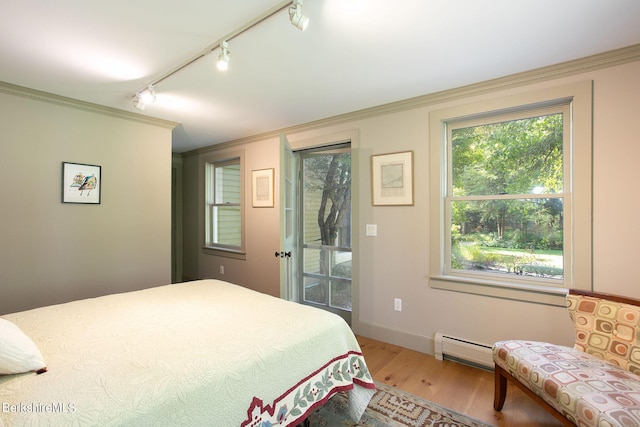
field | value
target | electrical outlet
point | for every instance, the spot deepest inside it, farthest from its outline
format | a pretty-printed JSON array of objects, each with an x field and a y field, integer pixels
[
  {"x": 397, "y": 304},
  {"x": 222, "y": 269}
]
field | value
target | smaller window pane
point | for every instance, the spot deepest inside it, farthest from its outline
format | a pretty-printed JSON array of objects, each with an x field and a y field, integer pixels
[
  {"x": 312, "y": 261},
  {"x": 520, "y": 237},
  {"x": 227, "y": 225},
  {"x": 341, "y": 264},
  {"x": 513, "y": 157},
  {"x": 341, "y": 294},
  {"x": 227, "y": 182},
  {"x": 315, "y": 290}
]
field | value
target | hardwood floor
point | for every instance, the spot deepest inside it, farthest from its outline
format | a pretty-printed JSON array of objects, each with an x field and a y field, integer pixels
[{"x": 463, "y": 388}]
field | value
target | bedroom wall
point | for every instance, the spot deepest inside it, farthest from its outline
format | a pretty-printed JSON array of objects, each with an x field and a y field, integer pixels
[
  {"x": 395, "y": 263},
  {"x": 53, "y": 252},
  {"x": 261, "y": 269}
]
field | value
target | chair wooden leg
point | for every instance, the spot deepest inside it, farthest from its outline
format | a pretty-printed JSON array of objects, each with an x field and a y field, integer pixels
[
  {"x": 500, "y": 393},
  {"x": 501, "y": 378}
]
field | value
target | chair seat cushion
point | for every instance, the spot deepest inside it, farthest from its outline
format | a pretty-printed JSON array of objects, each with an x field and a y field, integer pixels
[{"x": 587, "y": 390}]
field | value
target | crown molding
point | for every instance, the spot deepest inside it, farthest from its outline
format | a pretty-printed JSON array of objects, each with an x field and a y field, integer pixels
[
  {"x": 565, "y": 69},
  {"x": 50, "y": 98},
  {"x": 591, "y": 63}
]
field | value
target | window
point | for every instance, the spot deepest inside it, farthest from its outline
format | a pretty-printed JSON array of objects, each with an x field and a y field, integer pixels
[
  {"x": 223, "y": 205},
  {"x": 505, "y": 199},
  {"x": 511, "y": 190}
]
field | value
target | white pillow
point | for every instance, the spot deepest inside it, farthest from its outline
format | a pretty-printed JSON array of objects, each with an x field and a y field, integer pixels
[{"x": 18, "y": 353}]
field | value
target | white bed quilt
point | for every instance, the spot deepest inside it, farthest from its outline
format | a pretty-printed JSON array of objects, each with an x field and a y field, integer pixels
[{"x": 198, "y": 353}]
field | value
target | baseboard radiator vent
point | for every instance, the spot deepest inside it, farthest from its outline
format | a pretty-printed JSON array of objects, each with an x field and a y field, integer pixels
[{"x": 463, "y": 350}]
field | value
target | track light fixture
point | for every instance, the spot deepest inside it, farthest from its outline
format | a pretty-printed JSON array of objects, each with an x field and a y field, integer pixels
[
  {"x": 144, "y": 98},
  {"x": 296, "y": 17},
  {"x": 223, "y": 59},
  {"x": 147, "y": 95}
]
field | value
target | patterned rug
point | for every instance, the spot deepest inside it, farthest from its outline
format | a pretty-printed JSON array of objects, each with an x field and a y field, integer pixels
[{"x": 390, "y": 407}]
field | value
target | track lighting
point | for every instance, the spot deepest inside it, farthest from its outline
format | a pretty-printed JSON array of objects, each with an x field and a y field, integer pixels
[
  {"x": 223, "y": 59},
  {"x": 296, "y": 17},
  {"x": 147, "y": 95},
  {"x": 144, "y": 98}
]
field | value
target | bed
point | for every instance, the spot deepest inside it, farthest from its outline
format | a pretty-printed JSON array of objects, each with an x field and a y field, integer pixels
[{"x": 199, "y": 353}]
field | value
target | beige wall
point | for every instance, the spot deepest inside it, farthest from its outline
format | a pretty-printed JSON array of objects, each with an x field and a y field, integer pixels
[
  {"x": 395, "y": 263},
  {"x": 53, "y": 252},
  {"x": 260, "y": 270}
]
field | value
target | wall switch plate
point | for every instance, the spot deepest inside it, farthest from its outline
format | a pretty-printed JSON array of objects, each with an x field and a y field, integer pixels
[
  {"x": 222, "y": 269},
  {"x": 397, "y": 304},
  {"x": 371, "y": 230}
]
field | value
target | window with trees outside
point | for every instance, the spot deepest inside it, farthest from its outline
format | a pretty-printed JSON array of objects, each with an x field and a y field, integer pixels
[
  {"x": 507, "y": 183},
  {"x": 505, "y": 196},
  {"x": 223, "y": 210}
]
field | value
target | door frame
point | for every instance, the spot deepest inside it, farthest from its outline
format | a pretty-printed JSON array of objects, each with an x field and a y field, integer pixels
[
  {"x": 288, "y": 251},
  {"x": 357, "y": 198}
]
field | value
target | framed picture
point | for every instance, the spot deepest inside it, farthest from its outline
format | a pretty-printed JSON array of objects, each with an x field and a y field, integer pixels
[
  {"x": 392, "y": 179},
  {"x": 81, "y": 183},
  {"x": 262, "y": 188}
]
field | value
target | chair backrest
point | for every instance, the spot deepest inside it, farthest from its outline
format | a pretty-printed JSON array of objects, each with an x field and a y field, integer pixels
[{"x": 607, "y": 326}]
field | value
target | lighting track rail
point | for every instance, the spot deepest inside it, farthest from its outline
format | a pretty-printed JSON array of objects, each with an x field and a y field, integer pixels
[{"x": 140, "y": 98}]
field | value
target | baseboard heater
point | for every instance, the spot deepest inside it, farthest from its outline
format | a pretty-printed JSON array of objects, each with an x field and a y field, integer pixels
[{"x": 463, "y": 350}]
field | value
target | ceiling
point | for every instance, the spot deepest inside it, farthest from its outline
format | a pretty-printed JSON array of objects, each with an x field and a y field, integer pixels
[{"x": 355, "y": 54}]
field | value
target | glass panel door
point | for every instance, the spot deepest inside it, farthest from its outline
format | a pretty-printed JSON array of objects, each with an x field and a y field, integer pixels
[
  {"x": 288, "y": 221},
  {"x": 326, "y": 230}
]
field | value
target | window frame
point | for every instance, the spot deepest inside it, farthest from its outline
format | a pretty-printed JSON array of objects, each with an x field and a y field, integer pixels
[
  {"x": 209, "y": 164},
  {"x": 577, "y": 196},
  {"x": 562, "y": 107}
]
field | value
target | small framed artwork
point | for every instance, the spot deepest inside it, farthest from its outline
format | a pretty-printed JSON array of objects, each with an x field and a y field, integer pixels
[
  {"x": 262, "y": 188},
  {"x": 81, "y": 183},
  {"x": 392, "y": 179}
]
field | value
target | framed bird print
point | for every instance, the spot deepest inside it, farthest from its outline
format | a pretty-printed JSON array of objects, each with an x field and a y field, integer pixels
[{"x": 81, "y": 183}]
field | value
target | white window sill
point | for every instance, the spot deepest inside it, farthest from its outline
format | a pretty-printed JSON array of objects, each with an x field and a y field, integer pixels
[
  {"x": 547, "y": 295},
  {"x": 223, "y": 252}
]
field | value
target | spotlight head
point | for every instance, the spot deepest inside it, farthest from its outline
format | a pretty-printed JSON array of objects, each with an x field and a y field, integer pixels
[
  {"x": 144, "y": 98},
  {"x": 148, "y": 96},
  {"x": 296, "y": 17},
  {"x": 138, "y": 103},
  {"x": 223, "y": 59}
]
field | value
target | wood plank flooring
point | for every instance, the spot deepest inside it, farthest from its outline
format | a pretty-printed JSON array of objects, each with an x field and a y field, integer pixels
[{"x": 463, "y": 388}]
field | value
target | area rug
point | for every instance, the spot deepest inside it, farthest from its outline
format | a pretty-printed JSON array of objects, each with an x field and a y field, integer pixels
[{"x": 390, "y": 407}]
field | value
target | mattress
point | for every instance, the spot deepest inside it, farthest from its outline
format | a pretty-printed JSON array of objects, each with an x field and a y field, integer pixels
[{"x": 199, "y": 353}]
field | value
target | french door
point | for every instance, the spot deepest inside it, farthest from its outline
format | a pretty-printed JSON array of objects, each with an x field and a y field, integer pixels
[
  {"x": 324, "y": 229},
  {"x": 315, "y": 227},
  {"x": 288, "y": 252}
]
